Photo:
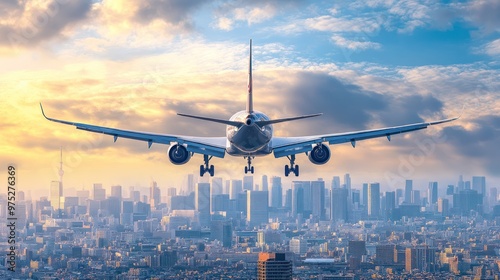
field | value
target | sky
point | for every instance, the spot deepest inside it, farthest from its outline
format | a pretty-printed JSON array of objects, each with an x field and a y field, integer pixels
[{"x": 135, "y": 64}]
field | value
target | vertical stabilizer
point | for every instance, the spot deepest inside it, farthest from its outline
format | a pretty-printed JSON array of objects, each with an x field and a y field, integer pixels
[{"x": 249, "y": 98}]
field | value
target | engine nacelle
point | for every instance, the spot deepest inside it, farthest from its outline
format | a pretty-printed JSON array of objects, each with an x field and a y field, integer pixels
[
  {"x": 178, "y": 154},
  {"x": 320, "y": 154}
]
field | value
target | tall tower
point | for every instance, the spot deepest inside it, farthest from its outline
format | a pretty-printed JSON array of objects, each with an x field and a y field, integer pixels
[
  {"x": 56, "y": 192},
  {"x": 273, "y": 266},
  {"x": 374, "y": 200},
  {"x": 257, "y": 207},
  {"x": 202, "y": 203}
]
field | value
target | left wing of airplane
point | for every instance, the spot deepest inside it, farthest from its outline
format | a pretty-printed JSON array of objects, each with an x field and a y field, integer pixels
[
  {"x": 288, "y": 146},
  {"x": 209, "y": 146}
]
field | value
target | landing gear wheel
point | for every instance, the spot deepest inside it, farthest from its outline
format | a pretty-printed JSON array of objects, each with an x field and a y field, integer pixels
[
  {"x": 206, "y": 168},
  {"x": 292, "y": 167},
  {"x": 249, "y": 167}
]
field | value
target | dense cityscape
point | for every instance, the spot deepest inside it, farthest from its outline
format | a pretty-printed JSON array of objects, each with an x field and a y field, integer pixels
[{"x": 220, "y": 228}]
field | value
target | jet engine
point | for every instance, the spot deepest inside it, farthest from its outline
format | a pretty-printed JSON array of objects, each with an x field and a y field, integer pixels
[
  {"x": 320, "y": 154},
  {"x": 178, "y": 154}
]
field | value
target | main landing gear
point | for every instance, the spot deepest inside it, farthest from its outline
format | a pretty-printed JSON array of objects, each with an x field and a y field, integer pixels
[
  {"x": 292, "y": 167},
  {"x": 249, "y": 167},
  {"x": 205, "y": 168}
]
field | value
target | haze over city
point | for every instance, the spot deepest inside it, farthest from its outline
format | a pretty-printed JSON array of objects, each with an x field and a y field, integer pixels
[{"x": 364, "y": 64}]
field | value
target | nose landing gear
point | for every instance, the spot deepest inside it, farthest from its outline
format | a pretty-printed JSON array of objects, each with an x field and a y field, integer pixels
[
  {"x": 292, "y": 167},
  {"x": 206, "y": 168},
  {"x": 249, "y": 167}
]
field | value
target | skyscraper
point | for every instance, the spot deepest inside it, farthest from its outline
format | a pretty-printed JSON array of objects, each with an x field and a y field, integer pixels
[
  {"x": 336, "y": 182},
  {"x": 257, "y": 207},
  {"x": 99, "y": 193},
  {"x": 264, "y": 183},
  {"x": 276, "y": 192},
  {"x": 273, "y": 266},
  {"x": 235, "y": 188},
  {"x": 56, "y": 198},
  {"x": 365, "y": 195},
  {"x": 154, "y": 195},
  {"x": 216, "y": 185},
  {"x": 318, "y": 199},
  {"x": 248, "y": 183},
  {"x": 390, "y": 204},
  {"x": 338, "y": 206},
  {"x": 116, "y": 191},
  {"x": 202, "y": 203},
  {"x": 408, "y": 191},
  {"x": 432, "y": 192},
  {"x": 374, "y": 201}
]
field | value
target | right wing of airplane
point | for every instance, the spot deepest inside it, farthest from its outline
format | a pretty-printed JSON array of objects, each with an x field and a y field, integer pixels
[
  {"x": 210, "y": 146},
  {"x": 287, "y": 146}
]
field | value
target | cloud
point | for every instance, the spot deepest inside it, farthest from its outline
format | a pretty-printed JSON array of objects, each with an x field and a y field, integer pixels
[
  {"x": 493, "y": 48},
  {"x": 29, "y": 23},
  {"x": 479, "y": 143},
  {"x": 252, "y": 12},
  {"x": 354, "y": 45},
  {"x": 483, "y": 13}
]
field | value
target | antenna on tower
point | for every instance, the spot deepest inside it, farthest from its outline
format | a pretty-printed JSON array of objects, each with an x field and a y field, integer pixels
[{"x": 61, "y": 171}]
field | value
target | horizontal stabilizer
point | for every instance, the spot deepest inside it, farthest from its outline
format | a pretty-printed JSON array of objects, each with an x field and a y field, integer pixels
[
  {"x": 262, "y": 123},
  {"x": 237, "y": 124}
]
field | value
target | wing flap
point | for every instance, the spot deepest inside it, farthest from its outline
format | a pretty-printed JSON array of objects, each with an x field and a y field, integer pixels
[
  {"x": 286, "y": 146},
  {"x": 212, "y": 146}
]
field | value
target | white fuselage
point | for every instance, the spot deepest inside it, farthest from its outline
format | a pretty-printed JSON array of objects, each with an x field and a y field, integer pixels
[{"x": 249, "y": 139}]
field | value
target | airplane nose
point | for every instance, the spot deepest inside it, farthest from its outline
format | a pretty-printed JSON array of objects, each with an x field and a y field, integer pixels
[{"x": 248, "y": 121}]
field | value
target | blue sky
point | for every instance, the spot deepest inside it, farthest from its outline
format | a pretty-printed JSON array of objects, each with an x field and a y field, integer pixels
[{"x": 365, "y": 64}]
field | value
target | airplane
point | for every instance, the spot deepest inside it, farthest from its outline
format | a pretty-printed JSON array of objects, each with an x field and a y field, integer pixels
[{"x": 249, "y": 134}]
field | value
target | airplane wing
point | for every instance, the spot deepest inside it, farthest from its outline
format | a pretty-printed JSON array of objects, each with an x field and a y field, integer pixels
[
  {"x": 212, "y": 146},
  {"x": 286, "y": 146}
]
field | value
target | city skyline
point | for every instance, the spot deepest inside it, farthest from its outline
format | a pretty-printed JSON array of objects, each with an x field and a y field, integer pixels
[{"x": 389, "y": 65}]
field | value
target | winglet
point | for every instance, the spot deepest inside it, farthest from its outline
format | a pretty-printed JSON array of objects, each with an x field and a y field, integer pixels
[{"x": 43, "y": 113}]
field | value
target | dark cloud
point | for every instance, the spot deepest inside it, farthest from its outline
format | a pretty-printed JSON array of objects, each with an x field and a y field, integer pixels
[
  {"x": 29, "y": 27},
  {"x": 348, "y": 107},
  {"x": 481, "y": 143},
  {"x": 177, "y": 12},
  {"x": 484, "y": 14}
]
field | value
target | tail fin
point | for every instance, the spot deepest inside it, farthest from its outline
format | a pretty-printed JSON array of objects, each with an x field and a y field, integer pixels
[{"x": 249, "y": 98}]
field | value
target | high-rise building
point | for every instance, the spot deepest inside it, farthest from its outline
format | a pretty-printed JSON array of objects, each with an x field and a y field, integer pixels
[
  {"x": 374, "y": 201},
  {"x": 297, "y": 198},
  {"x": 338, "y": 206},
  {"x": 202, "y": 203},
  {"x": 220, "y": 202},
  {"x": 479, "y": 184},
  {"x": 385, "y": 254},
  {"x": 336, "y": 182},
  {"x": 357, "y": 248},
  {"x": 422, "y": 258},
  {"x": 288, "y": 199},
  {"x": 318, "y": 199},
  {"x": 189, "y": 184},
  {"x": 235, "y": 188},
  {"x": 408, "y": 191},
  {"x": 298, "y": 246},
  {"x": 257, "y": 207},
  {"x": 154, "y": 195},
  {"x": 264, "y": 184},
  {"x": 222, "y": 231},
  {"x": 171, "y": 192},
  {"x": 432, "y": 192},
  {"x": 365, "y": 194},
  {"x": 216, "y": 185},
  {"x": 390, "y": 204},
  {"x": 276, "y": 192},
  {"x": 347, "y": 181},
  {"x": 273, "y": 266},
  {"x": 248, "y": 183},
  {"x": 415, "y": 197},
  {"x": 99, "y": 193},
  {"x": 443, "y": 206},
  {"x": 116, "y": 191},
  {"x": 56, "y": 198}
]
